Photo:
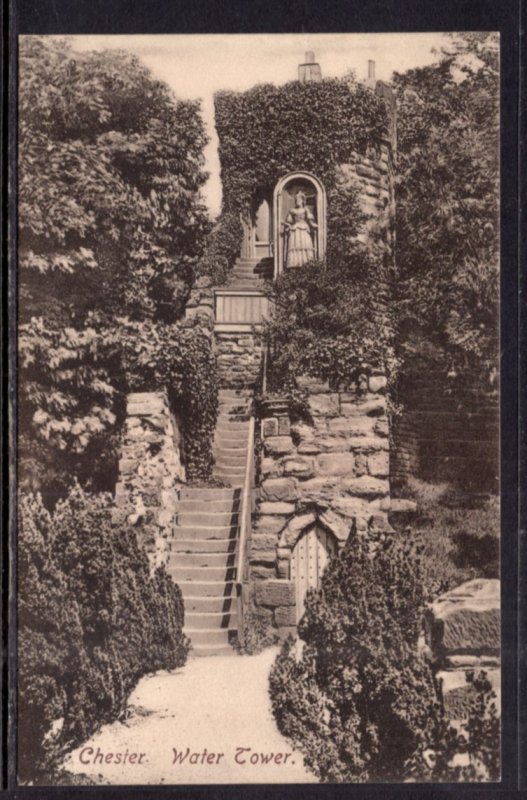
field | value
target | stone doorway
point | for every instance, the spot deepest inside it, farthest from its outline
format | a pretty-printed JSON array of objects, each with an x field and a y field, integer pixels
[{"x": 309, "y": 558}]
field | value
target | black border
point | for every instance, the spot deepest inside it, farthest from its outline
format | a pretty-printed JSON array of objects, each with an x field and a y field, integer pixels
[{"x": 307, "y": 16}]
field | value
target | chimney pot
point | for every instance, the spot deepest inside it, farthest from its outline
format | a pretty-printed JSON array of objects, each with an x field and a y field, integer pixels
[{"x": 371, "y": 68}]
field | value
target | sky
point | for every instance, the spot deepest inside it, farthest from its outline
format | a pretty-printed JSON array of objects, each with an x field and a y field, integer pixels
[{"x": 195, "y": 65}]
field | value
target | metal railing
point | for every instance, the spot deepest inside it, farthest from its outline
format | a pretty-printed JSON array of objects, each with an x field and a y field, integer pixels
[{"x": 245, "y": 525}]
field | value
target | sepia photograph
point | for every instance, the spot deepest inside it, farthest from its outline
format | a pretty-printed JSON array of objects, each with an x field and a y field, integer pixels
[{"x": 258, "y": 454}]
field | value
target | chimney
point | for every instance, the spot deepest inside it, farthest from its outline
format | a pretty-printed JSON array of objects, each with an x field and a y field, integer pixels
[
  {"x": 309, "y": 71},
  {"x": 371, "y": 80}
]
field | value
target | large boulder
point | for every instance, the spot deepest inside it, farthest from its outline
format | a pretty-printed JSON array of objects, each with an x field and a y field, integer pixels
[{"x": 465, "y": 620}]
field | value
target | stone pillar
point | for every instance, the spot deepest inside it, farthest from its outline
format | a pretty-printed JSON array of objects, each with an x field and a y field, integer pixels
[{"x": 150, "y": 471}]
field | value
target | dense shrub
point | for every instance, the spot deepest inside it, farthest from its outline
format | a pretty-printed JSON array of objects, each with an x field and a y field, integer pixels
[
  {"x": 222, "y": 247},
  {"x": 92, "y": 621},
  {"x": 359, "y": 700},
  {"x": 459, "y": 542},
  {"x": 333, "y": 335}
]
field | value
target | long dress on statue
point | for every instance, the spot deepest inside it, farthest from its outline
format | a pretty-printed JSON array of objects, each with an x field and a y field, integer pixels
[{"x": 300, "y": 249}]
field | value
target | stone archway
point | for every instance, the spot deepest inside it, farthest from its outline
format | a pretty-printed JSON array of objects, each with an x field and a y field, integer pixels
[{"x": 283, "y": 198}]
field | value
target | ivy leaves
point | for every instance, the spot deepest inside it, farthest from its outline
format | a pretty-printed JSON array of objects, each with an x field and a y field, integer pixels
[{"x": 269, "y": 131}]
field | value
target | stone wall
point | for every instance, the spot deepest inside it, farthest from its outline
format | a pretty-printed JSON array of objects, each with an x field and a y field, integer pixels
[
  {"x": 332, "y": 471},
  {"x": 239, "y": 358},
  {"x": 150, "y": 471},
  {"x": 448, "y": 429},
  {"x": 462, "y": 629}
]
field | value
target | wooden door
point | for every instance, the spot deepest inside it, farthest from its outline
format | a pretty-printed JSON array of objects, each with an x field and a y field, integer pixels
[{"x": 310, "y": 557}]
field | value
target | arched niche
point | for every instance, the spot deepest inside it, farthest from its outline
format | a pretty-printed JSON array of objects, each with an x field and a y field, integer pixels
[{"x": 283, "y": 202}]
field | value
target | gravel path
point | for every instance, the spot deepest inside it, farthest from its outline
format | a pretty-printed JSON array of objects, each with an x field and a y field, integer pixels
[{"x": 212, "y": 707}]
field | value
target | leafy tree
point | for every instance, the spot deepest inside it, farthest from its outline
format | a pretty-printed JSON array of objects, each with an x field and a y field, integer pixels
[
  {"x": 92, "y": 620},
  {"x": 111, "y": 222},
  {"x": 447, "y": 202}
]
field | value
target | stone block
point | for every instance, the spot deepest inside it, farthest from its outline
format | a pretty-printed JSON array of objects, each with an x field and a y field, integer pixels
[
  {"x": 270, "y": 507},
  {"x": 336, "y": 464},
  {"x": 466, "y": 619},
  {"x": 285, "y": 616},
  {"x": 283, "y": 567},
  {"x": 361, "y": 463},
  {"x": 264, "y": 613},
  {"x": 322, "y": 488},
  {"x": 324, "y": 405},
  {"x": 294, "y": 528},
  {"x": 141, "y": 404},
  {"x": 351, "y": 426},
  {"x": 332, "y": 444},
  {"x": 381, "y": 427},
  {"x": 377, "y": 383},
  {"x": 370, "y": 408},
  {"x": 269, "y": 427},
  {"x": 303, "y": 432},
  {"x": 278, "y": 445},
  {"x": 279, "y": 489},
  {"x": 268, "y": 524},
  {"x": 285, "y": 633},
  {"x": 284, "y": 426},
  {"x": 312, "y": 384},
  {"x": 262, "y": 572},
  {"x": 270, "y": 467},
  {"x": 303, "y": 467},
  {"x": 263, "y": 541},
  {"x": 366, "y": 486},
  {"x": 366, "y": 444},
  {"x": 379, "y": 464},
  {"x": 308, "y": 448},
  {"x": 275, "y": 593},
  {"x": 458, "y": 693}
]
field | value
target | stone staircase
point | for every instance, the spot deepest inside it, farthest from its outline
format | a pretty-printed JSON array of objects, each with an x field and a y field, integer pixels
[
  {"x": 250, "y": 273},
  {"x": 203, "y": 548}
]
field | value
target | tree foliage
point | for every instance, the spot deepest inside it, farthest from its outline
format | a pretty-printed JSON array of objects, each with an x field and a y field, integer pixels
[
  {"x": 111, "y": 224},
  {"x": 92, "y": 621},
  {"x": 447, "y": 201}
]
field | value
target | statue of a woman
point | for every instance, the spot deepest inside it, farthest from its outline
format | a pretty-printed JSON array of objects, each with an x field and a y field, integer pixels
[{"x": 299, "y": 224}]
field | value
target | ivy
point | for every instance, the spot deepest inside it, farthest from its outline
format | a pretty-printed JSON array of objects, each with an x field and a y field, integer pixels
[
  {"x": 180, "y": 358},
  {"x": 272, "y": 130}
]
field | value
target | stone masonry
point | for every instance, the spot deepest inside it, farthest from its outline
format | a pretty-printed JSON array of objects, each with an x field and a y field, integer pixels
[
  {"x": 333, "y": 471},
  {"x": 150, "y": 471}
]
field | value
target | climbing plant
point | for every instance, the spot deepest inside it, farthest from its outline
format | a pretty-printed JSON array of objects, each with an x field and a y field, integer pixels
[{"x": 271, "y": 130}]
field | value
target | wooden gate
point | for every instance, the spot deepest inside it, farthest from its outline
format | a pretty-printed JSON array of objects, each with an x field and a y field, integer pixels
[{"x": 309, "y": 559}]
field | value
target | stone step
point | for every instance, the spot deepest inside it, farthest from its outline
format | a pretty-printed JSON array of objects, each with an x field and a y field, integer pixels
[
  {"x": 228, "y": 424},
  {"x": 217, "y": 589},
  {"x": 211, "y": 620},
  {"x": 182, "y": 532},
  {"x": 229, "y": 471},
  {"x": 202, "y": 559},
  {"x": 235, "y": 393},
  {"x": 224, "y": 436},
  {"x": 209, "y": 506},
  {"x": 231, "y": 459},
  {"x": 181, "y": 572},
  {"x": 203, "y": 636},
  {"x": 194, "y": 546},
  {"x": 212, "y": 650},
  {"x": 206, "y": 493},
  {"x": 233, "y": 416},
  {"x": 202, "y": 519},
  {"x": 210, "y": 605}
]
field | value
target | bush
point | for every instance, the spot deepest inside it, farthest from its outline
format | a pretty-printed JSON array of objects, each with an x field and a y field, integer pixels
[
  {"x": 257, "y": 635},
  {"x": 360, "y": 700},
  {"x": 459, "y": 542},
  {"x": 222, "y": 247},
  {"x": 92, "y": 621}
]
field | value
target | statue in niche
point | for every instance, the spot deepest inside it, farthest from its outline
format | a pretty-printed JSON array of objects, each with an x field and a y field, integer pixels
[{"x": 300, "y": 227}]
